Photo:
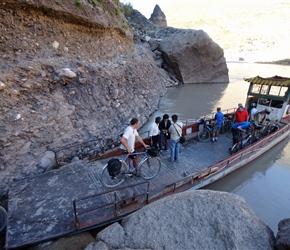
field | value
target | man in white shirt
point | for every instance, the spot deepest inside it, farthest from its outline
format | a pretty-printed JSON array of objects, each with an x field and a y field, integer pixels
[
  {"x": 128, "y": 141},
  {"x": 175, "y": 131},
  {"x": 154, "y": 132}
]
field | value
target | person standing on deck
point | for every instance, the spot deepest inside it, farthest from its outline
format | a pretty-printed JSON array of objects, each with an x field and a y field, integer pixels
[
  {"x": 163, "y": 127},
  {"x": 241, "y": 114},
  {"x": 154, "y": 132},
  {"x": 175, "y": 131},
  {"x": 252, "y": 112},
  {"x": 261, "y": 116},
  {"x": 218, "y": 122},
  {"x": 128, "y": 141}
]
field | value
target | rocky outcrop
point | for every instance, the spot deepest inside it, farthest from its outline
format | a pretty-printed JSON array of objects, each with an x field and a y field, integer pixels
[
  {"x": 190, "y": 56},
  {"x": 158, "y": 17},
  {"x": 194, "y": 57},
  {"x": 190, "y": 220},
  {"x": 69, "y": 73},
  {"x": 283, "y": 235}
]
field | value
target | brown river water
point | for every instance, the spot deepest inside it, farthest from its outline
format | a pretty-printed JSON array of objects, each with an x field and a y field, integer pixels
[{"x": 265, "y": 182}]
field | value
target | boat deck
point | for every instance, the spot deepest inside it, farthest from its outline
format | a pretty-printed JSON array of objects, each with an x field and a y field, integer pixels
[{"x": 42, "y": 209}]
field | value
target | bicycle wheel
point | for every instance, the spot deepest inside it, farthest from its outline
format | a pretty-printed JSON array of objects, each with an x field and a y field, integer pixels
[
  {"x": 227, "y": 126},
  {"x": 109, "y": 181},
  {"x": 150, "y": 168},
  {"x": 235, "y": 148},
  {"x": 203, "y": 135},
  {"x": 248, "y": 142}
]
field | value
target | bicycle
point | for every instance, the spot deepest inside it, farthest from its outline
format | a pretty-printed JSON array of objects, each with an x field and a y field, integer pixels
[
  {"x": 242, "y": 141},
  {"x": 227, "y": 124},
  {"x": 205, "y": 133},
  {"x": 149, "y": 166},
  {"x": 265, "y": 129}
]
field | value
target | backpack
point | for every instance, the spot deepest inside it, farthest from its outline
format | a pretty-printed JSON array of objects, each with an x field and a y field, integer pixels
[{"x": 114, "y": 167}]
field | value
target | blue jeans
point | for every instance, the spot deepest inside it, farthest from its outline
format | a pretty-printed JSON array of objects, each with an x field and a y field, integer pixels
[
  {"x": 174, "y": 149},
  {"x": 163, "y": 137}
]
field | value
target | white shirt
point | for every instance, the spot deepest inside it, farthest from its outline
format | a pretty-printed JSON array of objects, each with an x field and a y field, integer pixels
[
  {"x": 252, "y": 112},
  {"x": 154, "y": 130},
  {"x": 173, "y": 133},
  {"x": 130, "y": 134}
]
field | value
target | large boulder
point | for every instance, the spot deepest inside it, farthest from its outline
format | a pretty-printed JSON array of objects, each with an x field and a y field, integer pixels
[
  {"x": 200, "y": 219},
  {"x": 283, "y": 235},
  {"x": 194, "y": 57}
]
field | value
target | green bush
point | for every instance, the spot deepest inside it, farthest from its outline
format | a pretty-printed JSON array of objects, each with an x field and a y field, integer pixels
[
  {"x": 78, "y": 4},
  {"x": 117, "y": 11},
  {"x": 127, "y": 9},
  {"x": 93, "y": 2}
]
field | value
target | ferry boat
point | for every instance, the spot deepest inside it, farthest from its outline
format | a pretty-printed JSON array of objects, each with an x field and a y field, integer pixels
[{"x": 72, "y": 199}]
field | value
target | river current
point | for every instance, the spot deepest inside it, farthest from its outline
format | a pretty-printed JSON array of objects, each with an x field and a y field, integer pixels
[{"x": 265, "y": 182}]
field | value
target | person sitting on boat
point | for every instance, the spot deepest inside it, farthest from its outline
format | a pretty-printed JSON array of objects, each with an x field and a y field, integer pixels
[
  {"x": 241, "y": 114},
  {"x": 261, "y": 116},
  {"x": 218, "y": 121},
  {"x": 128, "y": 141},
  {"x": 238, "y": 129},
  {"x": 253, "y": 110}
]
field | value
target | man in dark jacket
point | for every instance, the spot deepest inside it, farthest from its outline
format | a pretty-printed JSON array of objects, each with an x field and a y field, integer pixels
[{"x": 164, "y": 136}]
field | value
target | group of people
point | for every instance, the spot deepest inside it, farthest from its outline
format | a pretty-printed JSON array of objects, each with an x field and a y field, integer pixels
[
  {"x": 164, "y": 132},
  {"x": 244, "y": 119}
]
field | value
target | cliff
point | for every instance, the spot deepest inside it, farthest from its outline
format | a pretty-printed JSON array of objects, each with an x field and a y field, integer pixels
[{"x": 70, "y": 73}]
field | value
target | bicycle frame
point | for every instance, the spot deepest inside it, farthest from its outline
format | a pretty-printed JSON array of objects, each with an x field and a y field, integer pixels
[{"x": 128, "y": 160}]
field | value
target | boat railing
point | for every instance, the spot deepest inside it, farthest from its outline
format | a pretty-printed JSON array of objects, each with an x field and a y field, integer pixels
[
  {"x": 97, "y": 148},
  {"x": 119, "y": 203}
]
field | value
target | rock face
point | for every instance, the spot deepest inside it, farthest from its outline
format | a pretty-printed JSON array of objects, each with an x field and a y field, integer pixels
[
  {"x": 283, "y": 235},
  {"x": 190, "y": 220},
  {"x": 190, "y": 56},
  {"x": 69, "y": 73},
  {"x": 73, "y": 72},
  {"x": 158, "y": 17},
  {"x": 194, "y": 57}
]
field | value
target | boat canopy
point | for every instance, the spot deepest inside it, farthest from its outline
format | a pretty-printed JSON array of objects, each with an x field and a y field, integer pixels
[
  {"x": 270, "y": 81},
  {"x": 271, "y": 92}
]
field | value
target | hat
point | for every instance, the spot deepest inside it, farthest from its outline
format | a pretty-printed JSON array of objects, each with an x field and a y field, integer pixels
[
  {"x": 267, "y": 111},
  {"x": 240, "y": 105}
]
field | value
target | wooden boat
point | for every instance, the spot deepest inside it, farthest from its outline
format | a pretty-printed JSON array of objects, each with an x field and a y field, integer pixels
[{"x": 71, "y": 198}]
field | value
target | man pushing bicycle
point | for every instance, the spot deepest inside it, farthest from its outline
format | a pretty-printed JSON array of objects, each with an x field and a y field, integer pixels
[{"x": 128, "y": 141}]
